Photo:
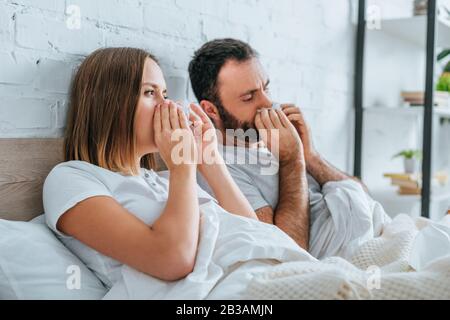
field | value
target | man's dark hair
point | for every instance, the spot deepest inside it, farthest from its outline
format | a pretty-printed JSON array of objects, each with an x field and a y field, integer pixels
[{"x": 208, "y": 61}]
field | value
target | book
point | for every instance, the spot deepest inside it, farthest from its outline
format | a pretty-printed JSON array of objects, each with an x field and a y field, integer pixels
[
  {"x": 439, "y": 176},
  {"x": 409, "y": 191},
  {"x": 418, "y": 95},
  {"x": 411, "y": 184},
  {"x": 417, "y": 98},
  {"x": 405, "y": 183},
  {"x": 402, "y": 176}
]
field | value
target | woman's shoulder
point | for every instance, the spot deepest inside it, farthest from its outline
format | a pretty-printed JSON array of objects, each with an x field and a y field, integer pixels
[
  {"x": 77, "y": 166},
  {"x": 74, "y": 178},
  {"x": 67, "y": 172}
]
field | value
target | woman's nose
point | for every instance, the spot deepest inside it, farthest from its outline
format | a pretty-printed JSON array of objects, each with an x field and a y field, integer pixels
[{"x": 160, "y": 98}]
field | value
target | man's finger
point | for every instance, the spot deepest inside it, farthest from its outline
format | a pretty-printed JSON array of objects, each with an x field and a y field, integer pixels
[
  {"x": 264, "y": 132},
  {"x": 291, "y": 110},
  {"x": 258, "y": 122},
  {"x": 283, "y": 118},
  {"x": 266, "y": 119},
  {"x": 275, "y": 119},
  {"x": 287, "y": 105},
  {"x": 294, "y": 117}
]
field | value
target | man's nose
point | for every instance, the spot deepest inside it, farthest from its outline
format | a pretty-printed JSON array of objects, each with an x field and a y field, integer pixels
[{"x": 266, "y": 101}]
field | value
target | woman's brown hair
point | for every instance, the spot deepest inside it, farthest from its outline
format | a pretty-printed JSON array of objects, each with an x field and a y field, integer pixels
[{"x": 103, "y": 100}]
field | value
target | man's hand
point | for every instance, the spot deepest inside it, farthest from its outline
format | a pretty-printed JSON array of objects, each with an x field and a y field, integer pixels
[
  {"x": 295, "y": 116},
  {"x": 318, "y": 167},
  {"x": 279, "y": 135},
  {"x": 291, "y": 214}
]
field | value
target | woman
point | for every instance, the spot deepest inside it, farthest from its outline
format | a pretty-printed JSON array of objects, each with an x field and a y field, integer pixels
[{"x": 105, "y": 202}]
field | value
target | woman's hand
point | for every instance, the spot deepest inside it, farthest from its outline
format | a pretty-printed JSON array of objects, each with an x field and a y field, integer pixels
[
  {"x": 206, "y": 138},
  {"x": 213, "y": 168},
  {"x": 174, "y": 139}
]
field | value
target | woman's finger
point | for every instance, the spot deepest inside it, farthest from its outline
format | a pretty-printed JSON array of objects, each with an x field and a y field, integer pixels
[
  {"x": 157, "y": 119},
  {"x": 199, "y": 111},
  {"x": 197, "y": 131},
  {"x": 194, "y": 118},
  {"x": 165, "y": 116},
  {"x": 174, "y": 119},
  {"x": 183, "y": 120}
]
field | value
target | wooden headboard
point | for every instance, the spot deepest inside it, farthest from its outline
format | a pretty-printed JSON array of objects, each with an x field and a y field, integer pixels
[{"x": 24, "y": 165}]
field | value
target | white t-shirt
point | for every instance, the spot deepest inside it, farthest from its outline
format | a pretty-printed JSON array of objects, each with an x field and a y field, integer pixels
[
  {"x": 71, "y": 182},
  {"x": 256, "y": 172}
]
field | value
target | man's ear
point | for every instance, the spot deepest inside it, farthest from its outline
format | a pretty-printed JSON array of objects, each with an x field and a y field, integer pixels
[{"x": 211, "y": 111}]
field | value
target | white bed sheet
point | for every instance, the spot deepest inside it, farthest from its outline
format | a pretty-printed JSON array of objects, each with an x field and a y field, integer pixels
[{"x": 233, "y": 250}]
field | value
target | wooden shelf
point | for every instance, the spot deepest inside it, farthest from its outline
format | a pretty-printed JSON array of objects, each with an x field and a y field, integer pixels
[
  {"x": 437, "y": 194},
  {"x": 414, "y": 29},
  {"x": 410, "y": 204},
  {"x": 442, "y": 112}
]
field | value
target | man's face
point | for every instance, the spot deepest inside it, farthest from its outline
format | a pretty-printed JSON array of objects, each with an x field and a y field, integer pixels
[{"x": 243, "y": 88}]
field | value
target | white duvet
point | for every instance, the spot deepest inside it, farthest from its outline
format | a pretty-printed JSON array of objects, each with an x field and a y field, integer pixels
[{"x": 240, "y": 258}]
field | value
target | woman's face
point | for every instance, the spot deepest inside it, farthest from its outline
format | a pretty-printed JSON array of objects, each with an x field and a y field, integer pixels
[{"x": 153, "y": 92}]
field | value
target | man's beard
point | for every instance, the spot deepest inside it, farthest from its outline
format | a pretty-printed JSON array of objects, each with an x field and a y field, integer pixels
[{"x": 244, "y": 131}]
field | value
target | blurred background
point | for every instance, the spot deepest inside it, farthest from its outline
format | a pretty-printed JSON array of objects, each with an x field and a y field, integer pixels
[{"x": 393, "y": 102}]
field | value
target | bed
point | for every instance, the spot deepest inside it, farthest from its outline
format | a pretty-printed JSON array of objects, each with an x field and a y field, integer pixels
[
  {"x": 24, "y": 164},
  {"x": 236, "y": 259},
  {"x": 34, "y": 264}
]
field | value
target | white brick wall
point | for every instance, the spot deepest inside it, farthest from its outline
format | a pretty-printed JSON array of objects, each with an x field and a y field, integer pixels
[{"x": 307, "y": 47}]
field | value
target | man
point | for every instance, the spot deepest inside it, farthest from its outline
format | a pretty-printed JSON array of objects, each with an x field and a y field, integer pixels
[{"x": 233, "y": 89}]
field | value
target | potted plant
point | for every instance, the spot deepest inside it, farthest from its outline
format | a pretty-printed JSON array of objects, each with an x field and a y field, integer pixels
[
  {"x": 411, "y": 158},
  {"x": 443, "y": 83}
]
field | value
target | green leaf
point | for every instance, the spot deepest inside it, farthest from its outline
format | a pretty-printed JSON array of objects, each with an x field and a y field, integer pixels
[
  {"x": 443, "y": 54},
  {"x": 409, "y": 154},
  {"x": 447, "y": 67}
]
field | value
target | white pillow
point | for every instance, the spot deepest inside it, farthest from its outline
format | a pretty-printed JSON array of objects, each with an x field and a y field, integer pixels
[
  {"x": 39, "y": 219},
  {"x": 34, "y": 264}
]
